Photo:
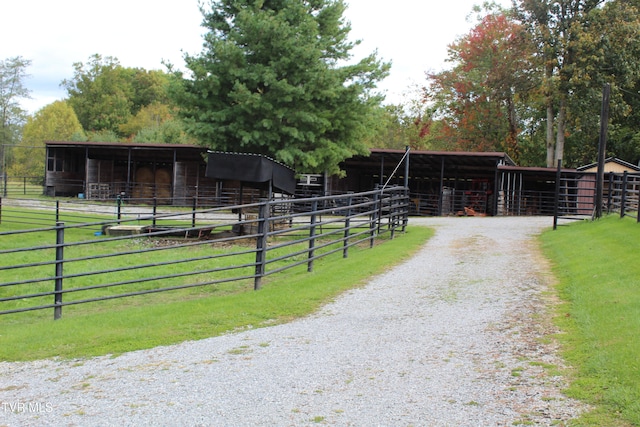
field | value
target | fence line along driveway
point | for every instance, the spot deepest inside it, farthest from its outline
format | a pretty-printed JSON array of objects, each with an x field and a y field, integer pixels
[{"x": 450, "y": 337}]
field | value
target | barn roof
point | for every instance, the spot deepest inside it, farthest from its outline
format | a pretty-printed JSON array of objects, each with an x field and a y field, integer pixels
[
  {"x": 622, "y": 163},
  {"x": 426, "y": 163},
  {"x": 123, "y": 145}
]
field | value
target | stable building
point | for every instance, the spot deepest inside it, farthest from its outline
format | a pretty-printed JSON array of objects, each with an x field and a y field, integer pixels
[
  {"x": 439, "y": 182},
  {"x": 454, "y": 183},
  {"x": 168, "y": 173}
]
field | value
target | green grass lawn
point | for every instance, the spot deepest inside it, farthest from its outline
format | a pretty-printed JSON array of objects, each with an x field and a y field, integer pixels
[
  {"x": 596, "y": 264},
  {"x": 140, "y": 322}
]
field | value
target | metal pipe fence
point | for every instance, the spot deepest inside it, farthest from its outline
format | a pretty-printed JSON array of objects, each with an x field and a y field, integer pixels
[
  {"x": 54, "y": 255},
  {"x": 575, "y": 197}
]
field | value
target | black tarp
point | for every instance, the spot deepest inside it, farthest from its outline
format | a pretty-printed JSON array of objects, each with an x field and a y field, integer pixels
[{"x": 251, "y": 169}]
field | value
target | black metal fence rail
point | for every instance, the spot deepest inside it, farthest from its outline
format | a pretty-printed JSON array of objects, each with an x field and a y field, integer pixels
[
  {"x": 20, "y": 186},
  {"x": 575, "y": 197},
  {"x": 622, "y": 194},
  {"x": 76, "y": 211},
  {"x": 50, "y": 267}
]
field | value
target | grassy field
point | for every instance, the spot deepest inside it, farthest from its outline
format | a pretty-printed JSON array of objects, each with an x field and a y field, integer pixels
[
  {"x": 140, "y": 322},
  {"x": 597, "y": 266},
  {"x": 22, "y": 187}
]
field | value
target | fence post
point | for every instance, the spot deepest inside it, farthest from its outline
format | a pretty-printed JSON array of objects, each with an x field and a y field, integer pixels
[
  {"x": 57, "y": 310},
  {"x": 610, "y": 193},
  {"x": 347, "y": 225},
  {"x": 261, "y": 243},
  {"x": 379, "y": 209},
  {"x": 637, "y": 199},
  {"x": 119, "y": 208},
  {"x": 623, "y": 197},
  {"x": 374, "y": 220},
  {"x": 312, "y": 236},
  {"x": 193, "y": 213},
  {"x": 155, "y": 210},
  {"x": 57, "y": 211},
  {"x": 407, "y": 205},
  {"x": 0, "y": 210}
]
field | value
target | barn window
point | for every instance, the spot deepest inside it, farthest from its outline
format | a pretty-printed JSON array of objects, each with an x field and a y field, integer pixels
[{"x": 61, "y": 160}]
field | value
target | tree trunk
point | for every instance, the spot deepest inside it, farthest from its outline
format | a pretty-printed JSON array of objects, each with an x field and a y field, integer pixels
[
  {"x": 550, "y": 140},
  {"x": 562, "y": 114},
  {"x": 512, "y": 138},
  {"x": 549, "y": 100}
]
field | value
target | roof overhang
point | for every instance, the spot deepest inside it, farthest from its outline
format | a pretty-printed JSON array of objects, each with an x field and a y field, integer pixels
[{"x": 430, "y": 163}]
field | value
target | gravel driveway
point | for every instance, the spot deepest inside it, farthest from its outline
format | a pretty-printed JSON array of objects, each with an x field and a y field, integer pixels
[{"x": 449, "y": 338}]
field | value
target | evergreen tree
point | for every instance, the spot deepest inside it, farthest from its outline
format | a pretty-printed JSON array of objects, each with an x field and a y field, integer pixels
[{"x": 275, "y": 77}]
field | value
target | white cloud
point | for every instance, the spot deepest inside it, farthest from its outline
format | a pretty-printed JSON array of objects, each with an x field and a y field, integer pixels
[{"x": 412, "y": 34}]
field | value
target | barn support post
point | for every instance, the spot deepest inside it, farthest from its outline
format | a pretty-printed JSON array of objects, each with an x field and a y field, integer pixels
[
  {"x": 57, "y": 298},
  {"x": 440, "y": 196},
  {"x": 406, "y": 169},
  {"x": 86, "y": 171},
  {"x": 407, "y": 192},
  {"x": 240, "y": 201},
  {"x": 128, "y": 188},
  {"x": 496, "y": 191},
  {"x": 174, "y": 175},
  {"x": 518, "y": 192},
  {"x": 261, "y": 243}
]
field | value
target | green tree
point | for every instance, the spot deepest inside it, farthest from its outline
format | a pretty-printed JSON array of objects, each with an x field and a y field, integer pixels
[
  {"x": 106, "y": 96},
  {"x": 276, "y": 77},
  {"x": 609, "y": 53},
  {"x": 149, "y": 116},
  {"x": 156, "y": 122},
  {"x": 399, "y": 126},
  {"x": 54, "y": 122},
  {"x": 13, "y": 72},
  {"x": 478, "y": 99}
]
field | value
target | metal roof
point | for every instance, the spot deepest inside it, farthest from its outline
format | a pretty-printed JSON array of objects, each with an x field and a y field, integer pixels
[
  {"x": 425, "y": 163},
  {"x": 123, "y": 145}
]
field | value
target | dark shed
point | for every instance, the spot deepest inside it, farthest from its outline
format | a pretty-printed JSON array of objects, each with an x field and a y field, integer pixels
[{"x": 253, "y": 170}]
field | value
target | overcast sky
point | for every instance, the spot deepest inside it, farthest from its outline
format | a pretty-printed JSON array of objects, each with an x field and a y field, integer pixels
[{"x": 412, "y": 34}]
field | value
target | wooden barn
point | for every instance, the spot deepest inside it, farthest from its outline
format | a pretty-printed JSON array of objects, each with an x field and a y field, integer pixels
[
  {"x": 172, "y": 174},
  {"x": 160, "y": 173},
  {"x": 473, "y": 183},
  {"x": 440, "y": 183}
]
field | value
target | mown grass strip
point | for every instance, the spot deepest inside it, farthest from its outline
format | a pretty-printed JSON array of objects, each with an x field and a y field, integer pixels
[
  {"x": 154, "y": 320},
  {"x": 597, "y": 266}
]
